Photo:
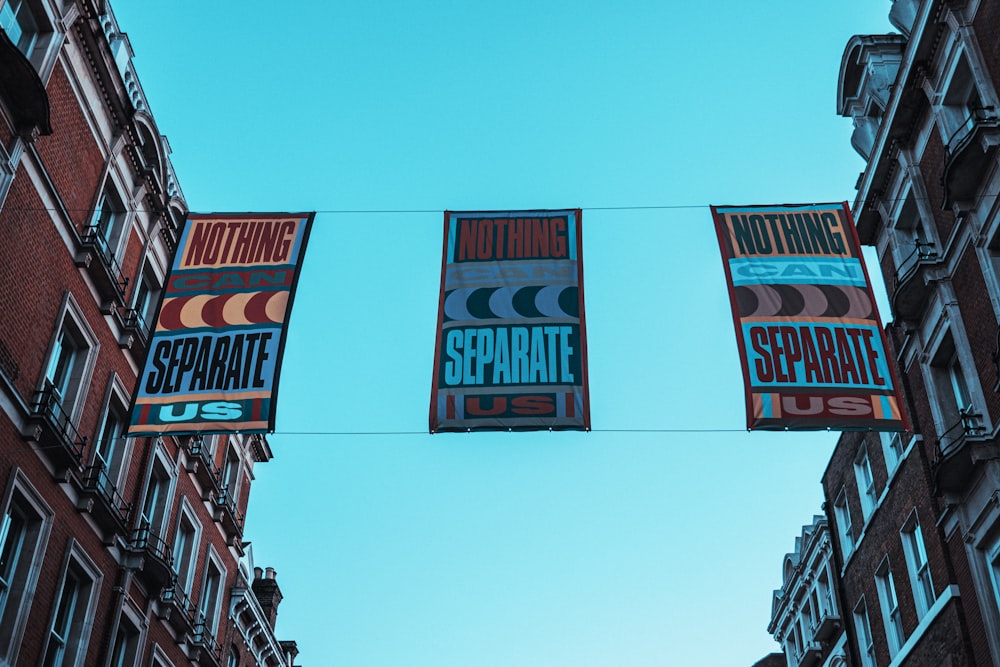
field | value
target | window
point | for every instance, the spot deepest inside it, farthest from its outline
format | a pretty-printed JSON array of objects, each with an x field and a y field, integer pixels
[
  {"x": 911, "y": 243},
  {"x": 231, "y": 473},
  {"x": 72, "y": 622},
  {"x": 18, "y": 21},
  {"x": 210, "y": 601},
  {"x": 890, "y": 607},
  {"x": 866, "y": 482},
  {"x": 916, "y": 565},
  {"x": 234, "y": 657},
  {"x": 231, "y": 477},
  {"x": 25, "y": 522},
  {"x": 954, "y": 400},
  {"x": 825, "y": 592},
  {"x": 963, "y": 106},
  {"x": 108, "y": 222},
  {"x": 862, "y": 627},
  {"x": 154, "y": 504},
  {"x": 185, "y": 547},
  {"x": 892, "y": 448},
  {"x": 844, "y": 528},
  {"x": 68, "y": 368},
  {"x": 993, "y": 567},
  {"x": 63, "y": 372},
  {"x": 29, "y": 26},
  {"x": 125, "y": 650},
  {"x": 147, "y": 298},
  {"x": 111, "y": 450},
  {"x": 808, "y": 618}
]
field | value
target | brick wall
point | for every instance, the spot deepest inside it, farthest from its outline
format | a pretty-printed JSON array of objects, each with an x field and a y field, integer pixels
[{"x": 70, "y": 154}]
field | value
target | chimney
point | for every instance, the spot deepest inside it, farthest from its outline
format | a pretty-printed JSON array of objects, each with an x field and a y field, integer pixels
[{"x": 265, "y": 589}]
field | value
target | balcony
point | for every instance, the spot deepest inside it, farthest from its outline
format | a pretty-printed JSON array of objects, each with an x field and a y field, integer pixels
[
  {"x": 98, "y": 258},
  {"x": 151, "y": 557},
  {"x": 102, "y": 500},
  {"x": 137, "y": 331},
  {"x": 912, "y": 285},
  {"x": 970, "y": 151},
  {"x": 957, "y": 453},
  {"x": 825, "y": 626},
  {"x": 808, "y": 655},
  {"x": 176, "y": 608},
  {"x": 49, "y": 426},
  {"x": 229, "y": 515},
  {"x": 204, "y": 649},
  {"x": 201, "y": 465}
]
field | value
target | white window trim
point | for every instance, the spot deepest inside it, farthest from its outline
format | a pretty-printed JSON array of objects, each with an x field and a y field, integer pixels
[
  {"x": 861, "y": 615},
  {"x": 117, "y": 393},
  {"x": 137, "y": 620},
  {"x": 845, "y": 533},
  {"x": 187, "y": 512},
  {"x": 162, "y": 459},
  {"x": 866, "y": 489},
  {"x": 19, "y": 482},
  {"x": 885, "y": 583},
  {"x": 76, "y": 555},
  {"x": 950, "y": 327},
  {"x": 908, "y": 536},
  {"x": 212, "y": 556},
  {"x": 71, "y": 311}
]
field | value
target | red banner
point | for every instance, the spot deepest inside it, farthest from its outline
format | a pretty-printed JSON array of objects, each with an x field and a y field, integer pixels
[{"x": 813, "y": 349}]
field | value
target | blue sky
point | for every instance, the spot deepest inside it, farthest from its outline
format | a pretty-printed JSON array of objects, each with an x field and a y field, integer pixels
[{"x": 619, "y": 547}]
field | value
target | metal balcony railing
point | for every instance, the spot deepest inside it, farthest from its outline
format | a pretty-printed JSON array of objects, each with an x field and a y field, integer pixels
[
  {"x": 204, "y": 640},
  {"x": 108, "y": 274},
  {"x": 968, "y": 152},
  {"x": 59, "y": 438},
  {"x": 228, "y": 512},
  {"x": 97, "y": 482},
  {"x": 156, "y": 556},
  {"x": 909, "y": 292},
  {"x": 176, "y": 607}
]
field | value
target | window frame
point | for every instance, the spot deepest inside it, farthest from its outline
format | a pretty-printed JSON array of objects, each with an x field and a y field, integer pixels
[
  {"x": 116, "y": 400},
  {"x": 109, "y": 234},
  {"x": 148, "y": 288},
  {"x": 47, "y": 38},
  {"x": 209, "y": 608},
  {"x": 863, "y": 631},
  {"x": 13, "y": 619},
  {"x": 186, "y": 579},
  {"x": 845, "y": 527},
  {"x": 888, "y": 599},
  {"x": 864, "y": 475},
  {"x": 919, "y": 573},
  {"x": 130, "y": 653},
  {"x": 164, "y": 470},
  {"x": 72, "y": 321},
  {"x": 76, "y": 637},
  {"x": 892, "y": 449}
]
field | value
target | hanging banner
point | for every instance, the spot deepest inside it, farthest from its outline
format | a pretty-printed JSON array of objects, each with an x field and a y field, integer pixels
[
  {"x": 215, "y": 352},
  {"x": 810, "y": 339},
  {"x": 511, "y": 349}
]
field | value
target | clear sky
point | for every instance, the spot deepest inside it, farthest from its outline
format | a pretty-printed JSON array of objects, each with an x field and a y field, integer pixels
[{"x": 612, "y": 548}]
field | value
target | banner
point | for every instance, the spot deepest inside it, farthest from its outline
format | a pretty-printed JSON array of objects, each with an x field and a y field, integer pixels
[
  {"x": 511, "y": 349},
  {"x": 214, "y": 355},
  {"x": 810, "y": 340}
]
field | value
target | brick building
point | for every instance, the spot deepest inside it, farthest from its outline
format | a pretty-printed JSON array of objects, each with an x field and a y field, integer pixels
[
  {"x": 917, "y": 516},
  {"x": 805, "y": 613},
  {"x": 113, "y": 551}
]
